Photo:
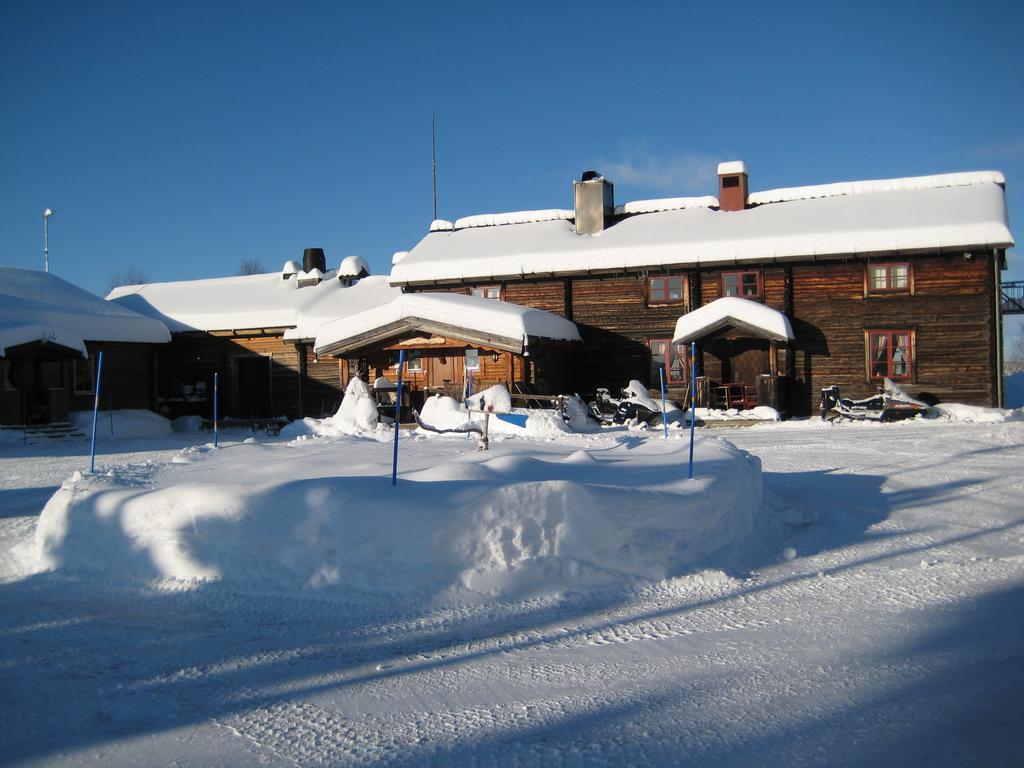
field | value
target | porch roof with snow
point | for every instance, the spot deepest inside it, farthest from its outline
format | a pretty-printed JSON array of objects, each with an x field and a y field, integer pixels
[
  {"x": 487, "y": 322},
  {"x": 922, "y": 214},
  {"x": 254, "y": 301},
  {"x": 38, "y": 307},
  {"x": 743, "y": 314}
]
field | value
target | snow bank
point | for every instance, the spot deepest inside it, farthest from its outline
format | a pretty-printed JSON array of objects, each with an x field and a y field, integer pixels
[
  {"x": 444, "y": 413},
  {"x": 358, "y": 409},
  {"x": 495, "y": 399},
  {"x": 123, "y": 423},
  {"x": 758, "y": 413},
  {"x": 512, "y": 523},
  {"x": 975, "y": 414},
  {"x": 357, "y": 415}
]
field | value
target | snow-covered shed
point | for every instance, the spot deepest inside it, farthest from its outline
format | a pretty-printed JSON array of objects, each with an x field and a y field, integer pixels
[
  {"x": 867, "y": 273},
  {"x": 257, "y": 331},
  {"x": 51, "y": 333},
  {"x": 450, "y": 337}
]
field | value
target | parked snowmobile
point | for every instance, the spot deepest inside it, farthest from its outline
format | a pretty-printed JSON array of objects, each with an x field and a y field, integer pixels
[
  {"x": 890, "y": 404},
  {"x": 607, "y": 410}
]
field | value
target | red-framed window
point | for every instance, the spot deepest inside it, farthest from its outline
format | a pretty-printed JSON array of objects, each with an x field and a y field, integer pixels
[
  {"x": 889, "y": 278},
  {"x": 676, "y": 366},
  {"x": 487, "y": 292},
  {"x": 746, "y": 285},
  {"x": 670, "y": 289},
  {"x": 891, "y": 354}
]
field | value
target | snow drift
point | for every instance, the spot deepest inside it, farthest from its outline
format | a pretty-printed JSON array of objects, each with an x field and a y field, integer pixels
[
  {"x": 128, "y": 422},
  {"x": 530, "y": 518}
]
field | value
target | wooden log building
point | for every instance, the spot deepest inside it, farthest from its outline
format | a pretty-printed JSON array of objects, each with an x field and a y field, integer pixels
[
  {"x": 51, "y": 335},
  {"x": 257, "y": 333},
  {"x": 894, "y": 278}
]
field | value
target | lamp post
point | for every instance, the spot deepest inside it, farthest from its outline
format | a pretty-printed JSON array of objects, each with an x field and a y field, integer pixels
[{"x": 46, "y": 239}]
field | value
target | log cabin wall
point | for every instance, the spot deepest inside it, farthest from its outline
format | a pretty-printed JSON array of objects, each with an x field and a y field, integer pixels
[
  {"x": 129, "y": 376},
  {"x": 950, "y": 309},
  {"x": 248, "y": 387},
  {"x": 323, "y": 384}
]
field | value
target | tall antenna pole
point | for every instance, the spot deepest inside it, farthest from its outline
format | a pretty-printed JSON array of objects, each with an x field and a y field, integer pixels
[
  {"x": 46, "y": 239},
  {"x": 433, "y": 154}
]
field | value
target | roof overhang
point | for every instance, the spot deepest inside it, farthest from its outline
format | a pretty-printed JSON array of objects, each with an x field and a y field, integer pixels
[
  {"x": 750, "y": 317},
  {"x": 385, "y": 334}
]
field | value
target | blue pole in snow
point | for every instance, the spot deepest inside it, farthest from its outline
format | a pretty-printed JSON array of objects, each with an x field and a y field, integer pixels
[
  {"x": 95, "y": 412},
  {"x": 693, "y": 398},
  {"x": 216, "y": 381},
  {"x": 664, "y": 416},
  {"x": 469, "y": 392},
  {"x": 398, "y": 416}
]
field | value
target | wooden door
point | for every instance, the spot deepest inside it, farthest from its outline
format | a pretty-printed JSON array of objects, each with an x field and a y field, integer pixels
[
  {"x": 253, "y": 397},
  {"x": 443, "y": 372},
  {"x": 748, "y": 360}
]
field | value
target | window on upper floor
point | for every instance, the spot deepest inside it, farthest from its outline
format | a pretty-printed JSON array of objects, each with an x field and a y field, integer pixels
[
  {"x": 472, "y": 359},
  {"x": 889, "y": 278},
  {"x": 671, "y": 357},
  {"x": 890, "y": 354},
  {"x": 487, "y": 292},
  {"x": 670, "y": 289},
  {"x": 745, "y": 285}
]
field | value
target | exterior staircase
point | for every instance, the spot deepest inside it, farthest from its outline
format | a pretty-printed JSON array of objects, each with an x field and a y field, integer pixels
[{"x": 38, "y": 433}]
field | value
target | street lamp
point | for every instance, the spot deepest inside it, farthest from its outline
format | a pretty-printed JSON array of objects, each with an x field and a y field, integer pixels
[{"x": 46, "y": 239}]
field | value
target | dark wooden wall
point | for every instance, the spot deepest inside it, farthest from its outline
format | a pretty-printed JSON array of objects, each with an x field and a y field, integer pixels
[
  {"x": 300, "y": 385},
  {"x": 951, "y": 310},
  {"x": 129, "y": 376}
]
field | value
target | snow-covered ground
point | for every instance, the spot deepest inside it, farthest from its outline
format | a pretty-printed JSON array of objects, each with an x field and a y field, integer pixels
[{"x": 873, "y": 618}]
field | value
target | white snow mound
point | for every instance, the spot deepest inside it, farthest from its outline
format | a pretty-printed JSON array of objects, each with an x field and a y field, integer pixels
[
  {"x": 128, "y": 422},
  {"x": 508, "y": 525}
]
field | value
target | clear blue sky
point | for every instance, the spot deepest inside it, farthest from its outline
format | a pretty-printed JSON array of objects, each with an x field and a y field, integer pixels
[{"x": 182, "y": 138}]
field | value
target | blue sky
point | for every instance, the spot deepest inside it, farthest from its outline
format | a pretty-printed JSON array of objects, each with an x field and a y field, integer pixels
[{"x": 181, "y": 138}]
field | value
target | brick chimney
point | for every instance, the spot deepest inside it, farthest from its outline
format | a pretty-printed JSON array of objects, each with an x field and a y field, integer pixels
[{"x": 732, "y": 186}]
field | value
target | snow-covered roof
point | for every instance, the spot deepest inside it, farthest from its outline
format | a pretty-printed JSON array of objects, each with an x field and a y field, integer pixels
[
  {"x": 732, "y": 311},
  {"x": 254, "y": 301},
  {"x": 505, "y": 325},
  {"x": 353, "y": 266},
  {"x": 954, "y": 211},
  {"x": 513, "y": 217},
  {"x": 939, "y": 181},
  {"x": 37, "y": 306},
  {"x": 666, "y": 204}
]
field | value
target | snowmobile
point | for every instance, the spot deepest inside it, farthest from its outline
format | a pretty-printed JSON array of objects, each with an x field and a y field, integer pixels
[
  {"x": 890, "y": 404},
  {"x": 607, "y": 410}
]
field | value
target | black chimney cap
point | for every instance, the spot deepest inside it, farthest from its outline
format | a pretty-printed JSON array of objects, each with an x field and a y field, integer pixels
[{"x": 590, "y": 175}]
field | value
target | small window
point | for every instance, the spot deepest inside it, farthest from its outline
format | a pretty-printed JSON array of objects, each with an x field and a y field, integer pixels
[
  {"x": 746, "y": 285},
  {"x": 891, "y": 354},
  {"x": 472, "y": 359},
  {"x": 666, "y": 290},
  {"x": 889, "y": 278},
  {"x": 84, "y": 383},
  {"x": 487, "y": 292},
  {"x": 675, "y": 368},
  {"x": 415, "y": 362}
]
